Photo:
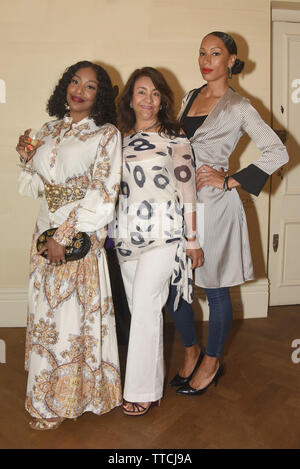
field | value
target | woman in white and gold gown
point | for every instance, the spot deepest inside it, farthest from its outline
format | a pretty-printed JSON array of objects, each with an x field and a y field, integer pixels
[{"x": 71, "y": 347}]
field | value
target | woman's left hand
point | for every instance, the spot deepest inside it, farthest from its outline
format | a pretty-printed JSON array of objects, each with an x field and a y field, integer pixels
[
  {"x": 56, "y": 252},
  {"x": 197, "y": 257},
  {"x": 207, "y": 176}
]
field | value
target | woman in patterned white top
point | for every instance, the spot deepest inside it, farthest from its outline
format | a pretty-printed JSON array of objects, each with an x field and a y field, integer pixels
[
  {"x": 158, "y": 199},
  {"x": 214, "y": 118},
  {"x": 71, "y": 347}
]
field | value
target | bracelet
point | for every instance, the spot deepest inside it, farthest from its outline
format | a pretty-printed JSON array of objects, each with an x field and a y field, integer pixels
[
  {"x": 225, "y": 184},
  {"x": 192, "y": 235}
]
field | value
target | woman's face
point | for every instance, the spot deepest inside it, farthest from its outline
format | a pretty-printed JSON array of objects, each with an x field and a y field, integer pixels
[
  {"x": 214, "y": 58},
  {"x": 82, "y": 91},
  {"x": 146, "y": 99}
]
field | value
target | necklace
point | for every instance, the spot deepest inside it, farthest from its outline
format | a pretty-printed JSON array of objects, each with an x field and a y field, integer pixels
[{"x": 148, "y": 128}]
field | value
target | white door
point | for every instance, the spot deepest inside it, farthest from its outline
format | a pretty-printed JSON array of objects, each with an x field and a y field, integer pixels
[{"x": 284, "y": 242}]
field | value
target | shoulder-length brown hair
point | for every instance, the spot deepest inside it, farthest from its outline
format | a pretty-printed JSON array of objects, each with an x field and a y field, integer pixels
[{"x": 166, "y": 115}]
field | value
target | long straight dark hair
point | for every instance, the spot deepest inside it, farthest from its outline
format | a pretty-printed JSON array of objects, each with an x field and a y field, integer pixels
[{"x": 166, "y": 115}]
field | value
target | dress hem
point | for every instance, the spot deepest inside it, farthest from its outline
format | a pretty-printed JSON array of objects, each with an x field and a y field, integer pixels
[
  {"x": 227, "y": 286},
  {"x": 79, "y": 415}
]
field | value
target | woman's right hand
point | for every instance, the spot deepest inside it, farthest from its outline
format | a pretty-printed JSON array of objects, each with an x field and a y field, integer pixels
[
  {"x": 56, "y": 252},
  {"x": 208, "y": 176},
  {"x": 24, "y": 147},
  {"x": 196, "y": 256}
]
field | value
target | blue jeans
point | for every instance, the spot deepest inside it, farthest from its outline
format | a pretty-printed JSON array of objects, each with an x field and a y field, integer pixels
[{"x": 220, "y": 319}]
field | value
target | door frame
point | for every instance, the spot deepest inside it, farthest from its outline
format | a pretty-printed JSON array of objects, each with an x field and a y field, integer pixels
[{"x": 288, "y": 12}]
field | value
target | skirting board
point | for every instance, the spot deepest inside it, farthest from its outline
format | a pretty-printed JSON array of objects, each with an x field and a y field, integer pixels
[
  {"x": 13, "y": 307},
  {"x": 249, "y": 301}
]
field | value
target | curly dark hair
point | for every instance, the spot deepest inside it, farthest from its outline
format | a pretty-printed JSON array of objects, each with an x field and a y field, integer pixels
[
  {"x": 104, "y": 108},
  {"x": 166, "y": 115},
  {"x": 232, "y": 49}
]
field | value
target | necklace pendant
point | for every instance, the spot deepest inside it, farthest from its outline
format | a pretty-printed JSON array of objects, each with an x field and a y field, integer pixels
[{"x": 148, "y": 128}]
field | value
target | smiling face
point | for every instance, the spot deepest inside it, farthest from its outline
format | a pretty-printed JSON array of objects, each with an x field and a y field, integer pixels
[
  {"x": 81, "y": 93},
  {"x": 146, "y": 100},
  {"x": 214, "y": 59}
]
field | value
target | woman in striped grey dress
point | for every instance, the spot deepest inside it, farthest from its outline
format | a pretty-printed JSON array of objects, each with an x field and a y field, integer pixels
[{"x": 214, "y": 118}]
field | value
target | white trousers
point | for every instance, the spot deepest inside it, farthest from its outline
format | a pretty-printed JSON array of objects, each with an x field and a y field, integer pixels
[{"x": 146, "y": 283}]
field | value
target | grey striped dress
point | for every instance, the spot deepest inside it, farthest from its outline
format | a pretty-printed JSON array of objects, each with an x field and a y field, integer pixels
[{"x": 226, "y": 242}]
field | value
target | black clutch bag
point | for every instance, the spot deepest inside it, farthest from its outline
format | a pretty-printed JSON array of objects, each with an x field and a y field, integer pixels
[{"x": 79, "y": 247}]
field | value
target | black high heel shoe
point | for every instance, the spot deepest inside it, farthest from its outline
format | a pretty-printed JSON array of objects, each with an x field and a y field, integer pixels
[
  {"x": 179, "y": 380},
  {"x": 187, "y": 390}
]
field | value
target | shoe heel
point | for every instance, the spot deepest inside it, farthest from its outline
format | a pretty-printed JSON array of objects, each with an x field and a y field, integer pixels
[{"x": 220, "y": 373}]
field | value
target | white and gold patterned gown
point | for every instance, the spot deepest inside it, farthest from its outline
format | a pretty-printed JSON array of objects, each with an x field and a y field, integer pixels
[{"x": 71, "y": 347}]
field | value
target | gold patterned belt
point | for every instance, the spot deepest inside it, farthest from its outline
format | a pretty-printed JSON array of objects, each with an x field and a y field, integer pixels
[{"x": 58, "y": 195}]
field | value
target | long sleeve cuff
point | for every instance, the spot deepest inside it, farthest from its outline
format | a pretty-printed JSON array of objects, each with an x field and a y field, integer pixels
[
  {"x": 66, "y": 231},
  {"x": 252, "y": 179}
]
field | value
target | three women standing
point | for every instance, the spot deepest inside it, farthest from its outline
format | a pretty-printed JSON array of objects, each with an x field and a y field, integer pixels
[{"x": 71, "y": 349}]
